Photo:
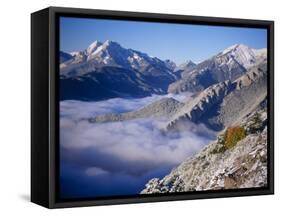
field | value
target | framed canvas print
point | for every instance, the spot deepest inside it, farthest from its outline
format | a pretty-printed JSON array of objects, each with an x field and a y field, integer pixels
[{"x": 138, "y": 107}]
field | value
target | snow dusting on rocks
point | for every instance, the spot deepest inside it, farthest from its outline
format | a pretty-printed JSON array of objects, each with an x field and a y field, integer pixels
[{"x": 215, "y": 168}]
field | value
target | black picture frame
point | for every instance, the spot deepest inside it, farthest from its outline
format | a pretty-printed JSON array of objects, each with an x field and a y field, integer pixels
[{"x": 45, "y": 108}]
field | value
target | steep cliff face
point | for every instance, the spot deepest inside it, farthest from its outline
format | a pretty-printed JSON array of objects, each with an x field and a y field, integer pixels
[{"x": 219, "y": 166}]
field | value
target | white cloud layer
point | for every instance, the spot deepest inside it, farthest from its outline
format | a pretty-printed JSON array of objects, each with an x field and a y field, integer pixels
[
  {"x": 129, "y": 148},
  {"x": 96, "y": 171}
]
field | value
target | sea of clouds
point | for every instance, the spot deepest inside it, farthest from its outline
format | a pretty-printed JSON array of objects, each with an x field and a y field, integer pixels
[{"x": 118, "y": 158}]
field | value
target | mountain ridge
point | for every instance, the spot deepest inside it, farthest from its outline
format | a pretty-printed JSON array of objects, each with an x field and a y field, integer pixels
[
  {"x": 228, "y": 64},
  {"x": 217, "y": 107},
  {"x": 150, "y": 75}
]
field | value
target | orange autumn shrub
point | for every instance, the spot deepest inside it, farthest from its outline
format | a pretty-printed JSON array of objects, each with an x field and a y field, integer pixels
[{"x": 233, "y": 135}]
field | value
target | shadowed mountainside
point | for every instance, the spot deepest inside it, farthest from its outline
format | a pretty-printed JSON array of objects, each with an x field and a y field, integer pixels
[{"x": 111, "y": 70}]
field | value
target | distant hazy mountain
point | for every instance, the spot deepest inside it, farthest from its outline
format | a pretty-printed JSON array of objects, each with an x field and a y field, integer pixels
[
  {"x": 187, "y": 65},
  {"x": 184, "y": 68},
  {"x": 226, "y": 65},
  {"x": 116, "y": 70}
]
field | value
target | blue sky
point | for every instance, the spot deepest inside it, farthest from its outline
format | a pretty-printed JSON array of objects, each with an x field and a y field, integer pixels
[{"x": 178, "y": 42}]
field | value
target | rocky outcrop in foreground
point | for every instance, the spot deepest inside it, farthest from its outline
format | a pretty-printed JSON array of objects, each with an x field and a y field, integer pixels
[{"x": 221, "y": 166}]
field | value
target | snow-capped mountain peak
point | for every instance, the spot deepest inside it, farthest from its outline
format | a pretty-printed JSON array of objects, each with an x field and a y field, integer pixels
[
  {"x": 244, "y": 55},
  {"x": 262, "y": 53},
  {"x": 108, "y": 52},
  {"x": 110, "y": 43},
  {"x": 111, "y": 53},
  {"x": 93, "y": 47},
  {"x": 235, "y": 47}
]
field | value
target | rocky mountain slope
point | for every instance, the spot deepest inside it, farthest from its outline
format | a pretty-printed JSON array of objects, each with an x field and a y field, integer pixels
[
  {"x": 226, "y": 65},
  {"x": 137, "y": 74},
  {"x": 220, "y": 166},
  {"x": 221, "y": 104},
  {"x": 164, "y": 108},
  {"x": 218, "y": 106}
]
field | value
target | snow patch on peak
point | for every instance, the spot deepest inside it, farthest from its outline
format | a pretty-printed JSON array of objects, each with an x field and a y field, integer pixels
[
  {"x": 228, "y": 49},
  {"x": 260, "y": 52},
  {"x": 74, "y": 53},
  {"x": 136, "y": 56},
  {"x": 93, "y": 47},
  {"x": 236, "y": 47},
  {"x": 110, "y": 43},
  {"x": 244, "y": 55}
]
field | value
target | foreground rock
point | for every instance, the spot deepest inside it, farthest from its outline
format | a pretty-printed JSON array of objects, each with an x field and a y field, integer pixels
[{"x": 216, "y": 167}]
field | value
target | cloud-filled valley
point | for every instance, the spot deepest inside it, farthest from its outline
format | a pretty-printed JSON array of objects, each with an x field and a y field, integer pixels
[{"x": 117, "y": 158}]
